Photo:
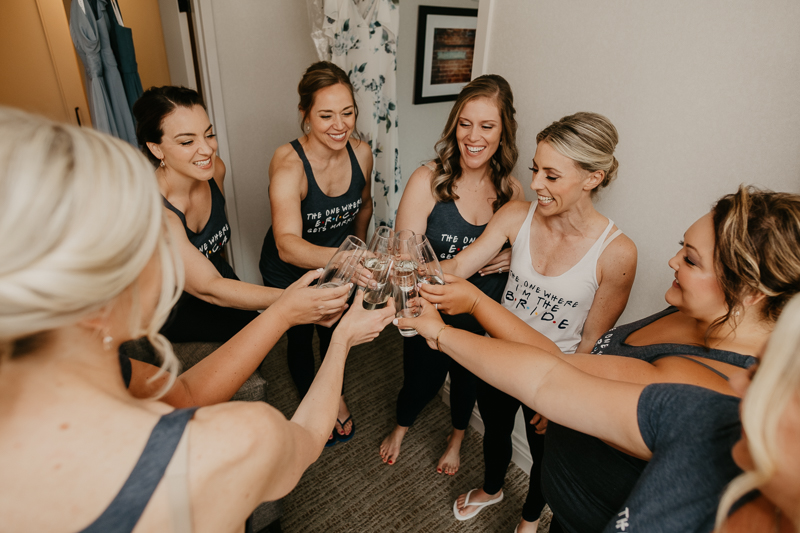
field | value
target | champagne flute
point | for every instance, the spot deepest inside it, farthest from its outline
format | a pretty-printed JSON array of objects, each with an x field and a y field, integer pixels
[
  {"x": 379, "y": 287},
  {"x": 428, "y": 268},
  {"x": 381, "y": 241},
  {"x": 344, "y": 264},
  {"x": 404, "y": 279}
]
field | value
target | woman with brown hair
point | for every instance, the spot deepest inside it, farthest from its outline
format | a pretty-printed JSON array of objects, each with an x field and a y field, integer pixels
[
  {"x": 176, "y": 135},
  {"x": 319, "y": 193},
  {"x": 451, "y": 199},
  {"x": 737, "y": 268}
]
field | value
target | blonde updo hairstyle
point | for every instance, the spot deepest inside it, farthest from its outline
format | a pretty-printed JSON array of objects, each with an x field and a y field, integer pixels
[
  {"x": 589, "y": 139},
  {"x": 775, "y": 384},
  {"x": 81, "y": 216}
]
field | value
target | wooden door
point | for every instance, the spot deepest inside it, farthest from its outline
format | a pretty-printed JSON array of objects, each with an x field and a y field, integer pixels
[{"x": 39, "y": 68}]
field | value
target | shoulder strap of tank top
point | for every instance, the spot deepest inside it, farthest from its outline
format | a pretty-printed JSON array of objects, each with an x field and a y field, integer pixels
[
  {"x": 714, "y": 370},
  {"x": 128, "y": 505},
  {"x": 215, "y": 191},
  {"x": 177, "y": 478},
  {"x": 175, "y": 210},
  {"x": 526, "y": 225},
  {"x": 312, "y": 182},
  {"x": 356, "y": 167},
  {"x": 609, "y": 239}
]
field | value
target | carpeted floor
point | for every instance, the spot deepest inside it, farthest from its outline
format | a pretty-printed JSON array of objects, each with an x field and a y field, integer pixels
[{"x": 350, "y": 490}]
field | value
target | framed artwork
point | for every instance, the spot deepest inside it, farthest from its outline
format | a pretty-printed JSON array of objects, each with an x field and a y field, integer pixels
[{"x": 445, "y": 47}]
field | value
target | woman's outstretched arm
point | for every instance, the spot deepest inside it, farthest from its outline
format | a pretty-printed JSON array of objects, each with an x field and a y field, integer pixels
[
  {"x": 216, "y": 378},
  {"x": 541, "y": 380}
]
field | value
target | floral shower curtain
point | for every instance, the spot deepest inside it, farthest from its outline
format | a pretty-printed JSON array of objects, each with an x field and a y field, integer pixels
[{"x": 361, "y": 37}]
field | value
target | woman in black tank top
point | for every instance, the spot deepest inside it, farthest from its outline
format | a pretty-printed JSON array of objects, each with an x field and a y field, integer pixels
[
  {"x": 174, "y": 132},
  {"x": 451, "y": 199},
  {"x": 319, "y": 194}
]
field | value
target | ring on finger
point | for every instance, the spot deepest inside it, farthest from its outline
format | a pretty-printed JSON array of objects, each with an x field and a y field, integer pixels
[{"x": 436, "y": 305}]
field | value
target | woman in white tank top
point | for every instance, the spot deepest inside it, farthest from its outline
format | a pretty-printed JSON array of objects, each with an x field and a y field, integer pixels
[{"x": 570, "y": 278}]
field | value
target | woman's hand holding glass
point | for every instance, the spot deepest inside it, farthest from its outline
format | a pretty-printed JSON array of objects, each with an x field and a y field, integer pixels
[
  {"x": 359, "y": 325},
  {"x": 302, "y": 304},
  {"x": 428, "y": 323},
  {"x": 457, "y": 297}
]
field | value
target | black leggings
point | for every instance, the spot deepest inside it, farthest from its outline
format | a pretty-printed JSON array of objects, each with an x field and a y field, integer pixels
[
  {"x": 498, "y": 411},
  {"x": 195, "y": 320},
  {"x": 300, "y": 353},
  {"x": 424, "y": 372}
]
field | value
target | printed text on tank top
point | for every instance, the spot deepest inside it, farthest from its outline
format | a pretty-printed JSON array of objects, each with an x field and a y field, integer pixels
[
  {"x": 457, "y": 243},
  {"x": 214, "y": 233},
  {"x": 556, "y": 306},
  {"x": 335, "y": 214}
]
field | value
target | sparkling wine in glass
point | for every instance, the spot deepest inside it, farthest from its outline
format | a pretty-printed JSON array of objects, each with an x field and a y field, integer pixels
[
  {"x": 343, "y": 265},
  {"x": 406, "y": 292},
  {"x": 379, "y": 287},
  {"x": 428, "y": 268}
]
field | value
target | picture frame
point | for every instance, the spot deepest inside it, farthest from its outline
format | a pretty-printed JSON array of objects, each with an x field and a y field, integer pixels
[{"x": 445, "y": 50}]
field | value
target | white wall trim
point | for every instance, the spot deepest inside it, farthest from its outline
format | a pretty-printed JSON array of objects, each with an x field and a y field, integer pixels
[
  {"x": 520, "y": 454},
  {"x": 212, "y": 90},
  {"x": 480, "y": 58}
]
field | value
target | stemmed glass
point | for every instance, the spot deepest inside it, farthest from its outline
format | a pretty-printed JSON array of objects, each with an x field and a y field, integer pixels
[
  {"x": 378, "y": 261},
  {"x": 428, "y": 268},
  {"x": 404, "y": 279},
  {"x": 344, "y": 264}
]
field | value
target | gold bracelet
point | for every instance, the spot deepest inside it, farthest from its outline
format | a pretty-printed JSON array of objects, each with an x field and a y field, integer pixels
[{"x": 437, "y": 336}]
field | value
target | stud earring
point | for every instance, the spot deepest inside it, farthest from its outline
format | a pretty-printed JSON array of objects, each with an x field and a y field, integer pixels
[
  {"x": 307, "y": 127},
  {"x": 107, "y": 342}
]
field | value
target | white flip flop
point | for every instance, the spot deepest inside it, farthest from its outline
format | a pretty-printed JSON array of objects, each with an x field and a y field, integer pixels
[{"x": 480, "y": 506}]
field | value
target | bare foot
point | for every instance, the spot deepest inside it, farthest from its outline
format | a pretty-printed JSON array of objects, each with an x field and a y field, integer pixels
[
  {"x": 451, "y": 458},
  {"x": 344, "y": 413},
  {"x": 527, "y": 527},
  {"x": 390, "y": 447},
  {"x": 477, "y": 496}
]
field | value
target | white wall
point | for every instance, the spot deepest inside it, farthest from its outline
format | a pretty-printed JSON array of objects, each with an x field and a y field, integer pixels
[
  {"x": 263, "y": 49},
  {"x": 705, "y": 95},
  {"x": 420, "y": 125}
]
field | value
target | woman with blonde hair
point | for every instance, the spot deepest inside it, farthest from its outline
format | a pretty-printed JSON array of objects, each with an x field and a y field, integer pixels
[
  {"x": 767, "y": 450},
  {"x": 450, "y": 200},
  {"x": 570, "y": 276},
  {"x": 89, "y": 265},
  {"x": 736, "y": 269}
]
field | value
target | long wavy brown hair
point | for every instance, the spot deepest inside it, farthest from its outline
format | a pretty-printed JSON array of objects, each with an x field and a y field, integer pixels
[{"x": 448, "y": 156}]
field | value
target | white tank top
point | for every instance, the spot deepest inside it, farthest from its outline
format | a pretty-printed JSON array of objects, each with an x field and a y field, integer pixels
[{"x": 555, "y": 306}]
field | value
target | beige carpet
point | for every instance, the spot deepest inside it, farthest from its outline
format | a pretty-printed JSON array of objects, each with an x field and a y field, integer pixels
[{"x": 349, "y": 489}]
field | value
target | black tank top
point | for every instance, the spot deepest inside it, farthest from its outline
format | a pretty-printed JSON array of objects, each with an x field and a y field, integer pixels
[
  {"x": 586, "y": 481},
  {"x": 211, "y": 240},
  {"x": 327, "y": 221},
  {"x": 449, "y": 234}
]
